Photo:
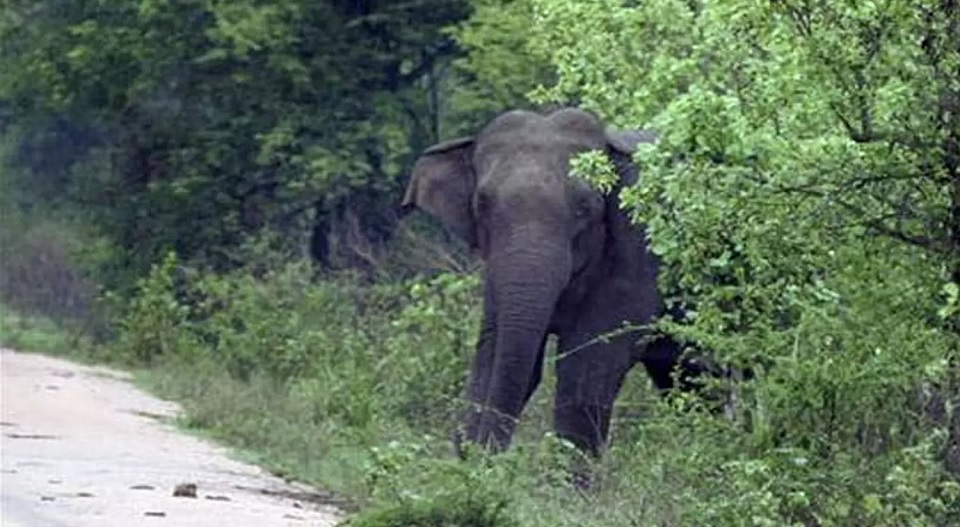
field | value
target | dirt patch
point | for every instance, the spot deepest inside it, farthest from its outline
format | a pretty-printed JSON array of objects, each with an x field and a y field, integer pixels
[{"x": 97, "y": 451}]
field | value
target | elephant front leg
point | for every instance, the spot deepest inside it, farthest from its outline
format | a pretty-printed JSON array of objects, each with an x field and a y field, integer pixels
[
  {"x": 672, "y": 366},
  {"x": 589, "y": 377},
  {"x": 477, "y": 387},
  {"x": 586, "y": 389}
]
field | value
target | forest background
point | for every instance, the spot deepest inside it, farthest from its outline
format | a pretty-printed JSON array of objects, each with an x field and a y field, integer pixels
[{"x": 207, "y": 191}]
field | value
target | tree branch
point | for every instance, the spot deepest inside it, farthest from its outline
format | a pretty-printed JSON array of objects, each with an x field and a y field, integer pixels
[{"x": 878, "y": 225}]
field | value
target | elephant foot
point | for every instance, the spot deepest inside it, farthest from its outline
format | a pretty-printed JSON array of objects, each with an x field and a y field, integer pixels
[
  {"x": 489, "y": 430},
  {"x": 581, "y": 479}
]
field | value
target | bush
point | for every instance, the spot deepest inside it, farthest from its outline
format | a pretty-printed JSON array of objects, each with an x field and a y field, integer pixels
[
  {"x": 459, "y": 496},
  {"x": 348, "y": 385},
  {"x": 48, "y": 271},
  {"x": 40, "y": 272},
  {"x": 354, "y": 351},
  {"x": 32, "y": 333}
]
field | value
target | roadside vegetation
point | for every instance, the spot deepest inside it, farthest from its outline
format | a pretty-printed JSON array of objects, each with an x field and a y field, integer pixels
[
  {"x": 31, "y": 333},
  {"x": 207, "y": 191}
]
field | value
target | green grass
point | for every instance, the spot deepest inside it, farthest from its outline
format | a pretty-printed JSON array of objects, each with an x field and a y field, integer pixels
[
  {"x": 352, "y": 390},
  {"x": 356, "y": 468},
  {"x": 34, "y": 333},
  {"x": 264, "y": 424}
]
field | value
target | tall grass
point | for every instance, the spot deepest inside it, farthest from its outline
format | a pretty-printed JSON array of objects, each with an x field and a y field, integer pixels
[{"x": 355, "y": 387}]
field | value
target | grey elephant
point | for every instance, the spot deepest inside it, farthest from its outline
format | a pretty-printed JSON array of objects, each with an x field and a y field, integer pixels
[{"x": 561, "y": 259}]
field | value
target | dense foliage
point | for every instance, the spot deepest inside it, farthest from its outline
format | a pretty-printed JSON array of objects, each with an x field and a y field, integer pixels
[
  {"x": 189, "y": 164},
  {"x": 192, "y": 125},
  {"x": 805, "y": 195}
]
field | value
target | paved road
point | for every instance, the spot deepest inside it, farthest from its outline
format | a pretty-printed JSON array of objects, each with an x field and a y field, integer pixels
[{"x": 82, "y": 447}]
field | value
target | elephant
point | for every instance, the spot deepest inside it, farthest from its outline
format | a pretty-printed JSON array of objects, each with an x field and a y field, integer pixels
[{"x": 561, "y": 258}]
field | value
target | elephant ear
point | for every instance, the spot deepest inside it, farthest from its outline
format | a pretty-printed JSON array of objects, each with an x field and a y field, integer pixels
[
  {"x": 621, "y": 146},
  {"x": 626, "y": 141},
  {"x": 626, "y": 237},
  {"x": 442, "y": 184}
]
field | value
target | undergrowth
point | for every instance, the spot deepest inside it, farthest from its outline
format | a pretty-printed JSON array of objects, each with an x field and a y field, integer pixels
[
  {"x": 33, "y": 333},
  {"x": 355, "y": 388}
]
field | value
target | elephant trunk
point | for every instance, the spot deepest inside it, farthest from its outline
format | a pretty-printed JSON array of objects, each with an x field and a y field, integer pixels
[{"x": 528, "y": 275}]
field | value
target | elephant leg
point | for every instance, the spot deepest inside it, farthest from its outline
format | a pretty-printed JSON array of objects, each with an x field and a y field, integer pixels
[
  {"x": 670, "y": 368},
  {"x": 588, "y": 381},
  {"x": 661, "y": 358},
  {"x": 589, "y": 377},
  {"x": 478, "y": 386}
]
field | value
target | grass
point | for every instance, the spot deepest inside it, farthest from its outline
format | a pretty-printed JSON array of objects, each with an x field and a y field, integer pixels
[
  {"x": 245, "y": 416},
  {"x": 349, "y": 392},
  {"x": 265, "y": 426},
  {"x": 361, "y": 468},
  {"x": 34, "y": 333}
]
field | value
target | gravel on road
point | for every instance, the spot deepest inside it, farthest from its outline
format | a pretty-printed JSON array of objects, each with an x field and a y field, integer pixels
[{"x": 81, "y": 446}]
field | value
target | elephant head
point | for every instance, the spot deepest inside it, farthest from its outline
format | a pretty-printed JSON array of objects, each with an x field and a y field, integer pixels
[{"x": 558, "y": 253}]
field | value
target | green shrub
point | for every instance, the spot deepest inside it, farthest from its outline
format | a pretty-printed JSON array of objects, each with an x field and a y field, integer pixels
[
  {"x": 457, "y": 510},
  {"x": 33, "y": 333},
  {"x": 355, "y": 386},
  {"x": 352, "y": 352},
  {"x": 46, "y": 271},
  {"x": 155, "y": 322},
  {"x": 455, "y": 495},
  {"x": 430, "y": 342}
]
